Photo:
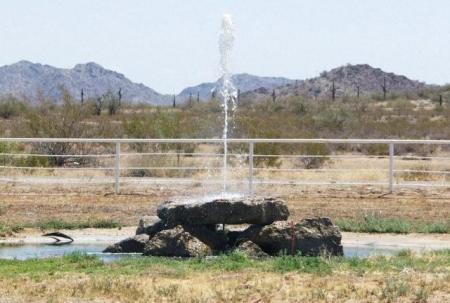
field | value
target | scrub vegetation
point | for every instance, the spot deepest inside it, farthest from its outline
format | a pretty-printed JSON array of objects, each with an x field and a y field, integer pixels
[
  {"x": 400, "y": 116},
  {"x": 407, "y": 276}
]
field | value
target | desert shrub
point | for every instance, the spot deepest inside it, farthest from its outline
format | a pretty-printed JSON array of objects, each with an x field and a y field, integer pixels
[
  {"x": 331, "y": 119},
  {"x": 375, "y": 149},
  {"x": 18, "y": 160},
  {"x": 299, "y": 108},
  {"x": 267, "y": 149},
  {"x": 58, "y": 121},
  {"x": 419, "y": 173},
  {"x": 420, "y": 150},
  {"x": 32, "y": 161},
  {"x": 112, "y": 102},
  {"x": 159, "y": 124},
  {"x": 10, "y": 107},
  {"x": 314, "y": 149},
  {"x": 98, "y": 106}
]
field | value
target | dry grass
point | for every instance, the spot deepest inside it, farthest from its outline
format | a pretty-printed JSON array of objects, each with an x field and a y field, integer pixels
[
  {"x": 353, "y": 168},
  {"x": 355, "y": 281}
]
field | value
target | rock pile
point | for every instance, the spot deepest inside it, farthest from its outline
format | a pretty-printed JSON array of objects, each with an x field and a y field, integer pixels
[{"x": 256, "y": 226}]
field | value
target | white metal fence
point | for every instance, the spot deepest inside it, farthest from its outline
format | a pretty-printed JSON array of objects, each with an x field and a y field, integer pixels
[{"x": 248, "y": 174}]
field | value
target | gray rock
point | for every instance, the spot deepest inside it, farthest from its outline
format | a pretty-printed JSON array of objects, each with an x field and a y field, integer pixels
[
  {"x": 151, "y": 225},
  {"x": 260, "y": 211},
  {"x": 310, "y": 237},
  {"x": 176, "y": 242},
  {"x": 134, "y": 244},
  {"x": 251, "y": 250}
]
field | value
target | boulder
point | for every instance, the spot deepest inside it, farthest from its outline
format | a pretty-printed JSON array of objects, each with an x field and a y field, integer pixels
[
  {"x": 151, "y": 225},
  {"x": 134, "y": 244},
  {"x": 251, "y": 249},
  {"x": 176, "y": 242},
  {"x": 261, "y": 211},
  {"x": 310, "y": 237}
]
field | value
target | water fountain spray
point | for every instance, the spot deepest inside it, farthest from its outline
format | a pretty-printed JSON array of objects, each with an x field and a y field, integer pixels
[{"x": 227, "y": 90}]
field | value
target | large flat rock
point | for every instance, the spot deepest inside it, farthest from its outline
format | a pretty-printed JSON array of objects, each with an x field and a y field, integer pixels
[{"x": 261, "y": 211}]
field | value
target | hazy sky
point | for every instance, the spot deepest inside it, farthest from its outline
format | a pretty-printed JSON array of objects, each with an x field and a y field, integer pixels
[{"x": 170, "y": 44}]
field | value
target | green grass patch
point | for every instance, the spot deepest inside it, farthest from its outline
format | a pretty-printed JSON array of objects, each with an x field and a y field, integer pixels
[
  {"x": 373, "y": 223},
  {"x": 433, "y": 262},
  {"x": 6, "y": 230},
  {"x": 55, "y": 224}
]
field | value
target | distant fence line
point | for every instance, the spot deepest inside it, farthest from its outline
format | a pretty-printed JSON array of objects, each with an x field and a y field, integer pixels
[{"x": 249, "y": 154}]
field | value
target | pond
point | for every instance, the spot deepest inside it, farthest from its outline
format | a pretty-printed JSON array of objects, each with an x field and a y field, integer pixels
[{"x": 27, "y": 251}]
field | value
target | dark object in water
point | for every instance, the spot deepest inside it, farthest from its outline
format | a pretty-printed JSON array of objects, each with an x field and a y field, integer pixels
[{"x": 57, "y": 235}]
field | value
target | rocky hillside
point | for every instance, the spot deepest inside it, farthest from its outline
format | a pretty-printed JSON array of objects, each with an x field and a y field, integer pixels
[
  {"x": 346, "y": 80},
  {"x": 243, "y": 82},
  {"x": 30, "y": 80}
]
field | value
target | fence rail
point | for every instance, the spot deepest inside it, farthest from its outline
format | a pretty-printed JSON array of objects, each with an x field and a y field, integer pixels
[{"x": 116, "y": 155}]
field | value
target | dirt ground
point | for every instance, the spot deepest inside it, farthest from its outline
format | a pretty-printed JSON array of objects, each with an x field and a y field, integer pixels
[{"x": 33, "y": 206}]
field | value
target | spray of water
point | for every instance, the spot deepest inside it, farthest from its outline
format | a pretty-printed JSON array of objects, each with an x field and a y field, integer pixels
[{"x": 227, "y": 91}]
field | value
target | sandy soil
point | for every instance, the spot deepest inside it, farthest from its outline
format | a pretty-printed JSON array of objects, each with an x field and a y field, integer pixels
[{"x": 29, "y": 208}]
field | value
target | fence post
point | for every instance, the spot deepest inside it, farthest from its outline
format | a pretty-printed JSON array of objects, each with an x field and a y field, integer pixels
[
  {"x": 250, "y": 168},
  {"x": 117, "y": 169},
  {"x": 391, "y": 167}
]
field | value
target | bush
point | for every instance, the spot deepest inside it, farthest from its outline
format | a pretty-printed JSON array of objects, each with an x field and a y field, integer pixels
[
  {"x": 112, "y": 102},
  {"x": 10, "y": 107},
  {"x": 58, "y": 121},
  {"x": 314, "y": 149}
]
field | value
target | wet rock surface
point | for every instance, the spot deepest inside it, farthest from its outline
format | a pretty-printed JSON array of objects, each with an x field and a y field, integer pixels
[
  {"x": 260, "y": 211},
  {"x": 151, "y": 225},
  {"x": 134, "y": 244},
  {"x": 176, "y": 242},
  {"x": 309, "y": 237},
  {"x": 214, "y": 227}
]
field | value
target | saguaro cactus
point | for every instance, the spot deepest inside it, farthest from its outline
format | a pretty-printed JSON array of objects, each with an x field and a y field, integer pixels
[
  {"x": 333, "y": 91},
  {"x": 440, "y": 100},
  {"x": 98, "y": 106},
  {"x": 357, "y": 90},
  {"x": 174, "y": 104},
  {"x": 274, "y": 96},
  {"x": 198, "y": 97},
  {"x": 82, "y": 96},
  {"x": 384, "y": 88}
]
